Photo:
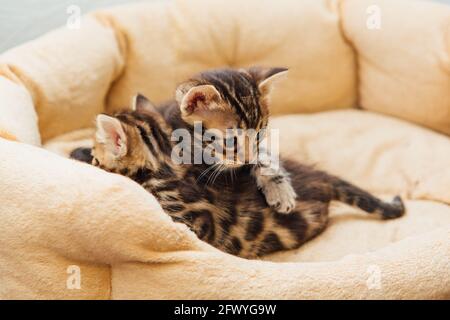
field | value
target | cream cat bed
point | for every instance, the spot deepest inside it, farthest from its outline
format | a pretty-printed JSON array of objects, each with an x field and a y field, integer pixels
[{"x": 60, "y": 219}]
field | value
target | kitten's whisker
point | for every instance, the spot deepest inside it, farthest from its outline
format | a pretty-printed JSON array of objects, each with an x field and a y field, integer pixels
[
  {"x": 210, "y": 178},
  {"x": 218, "y": 172},
  {"x": 206, "y": 171},
  {"x": 214, "y": 168}
]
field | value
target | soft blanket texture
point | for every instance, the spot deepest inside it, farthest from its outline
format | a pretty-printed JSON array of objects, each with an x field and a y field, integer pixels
[{"x": 58, "y": 215}]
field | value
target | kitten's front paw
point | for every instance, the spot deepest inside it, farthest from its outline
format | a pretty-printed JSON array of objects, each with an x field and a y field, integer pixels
[{"x": 281, "y": 197}]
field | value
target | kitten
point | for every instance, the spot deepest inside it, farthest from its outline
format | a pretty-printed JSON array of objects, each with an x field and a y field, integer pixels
[
  {"x": 230, "y": 214},
  {"x": 229, "y": 100}
]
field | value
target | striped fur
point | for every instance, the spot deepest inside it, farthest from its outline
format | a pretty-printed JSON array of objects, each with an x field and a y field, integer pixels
[
  {"x": 227, "y": 209},
  {"x": 230, "y": 214},
  {"x": 239, "y": 99}
]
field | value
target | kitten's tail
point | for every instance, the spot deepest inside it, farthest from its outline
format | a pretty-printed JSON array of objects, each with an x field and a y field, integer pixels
[{"x": 347, "y": 193}]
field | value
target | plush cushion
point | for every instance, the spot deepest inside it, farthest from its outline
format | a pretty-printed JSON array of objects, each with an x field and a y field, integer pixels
[
  {"x": 18, "y": 117},
  {"x": 408, "y": 79},
  {"x": 353, "y": 144},
  {"x": 201, "y": 34},
  {"x": 84, "y": 62},
  {"x": 150, "y": 47},
  {"x": 59, "y": 215},
  {"x": 71, "y": 210}
]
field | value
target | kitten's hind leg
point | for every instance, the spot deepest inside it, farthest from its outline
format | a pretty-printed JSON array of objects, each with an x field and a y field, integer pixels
[{"x": 352, "y": 195}]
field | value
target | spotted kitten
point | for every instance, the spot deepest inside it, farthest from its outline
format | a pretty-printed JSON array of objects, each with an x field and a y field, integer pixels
[
  {"x": 236, "y": 99},
  {"x": 230, "y": 214},
  {"x": 229, "y": 99}
]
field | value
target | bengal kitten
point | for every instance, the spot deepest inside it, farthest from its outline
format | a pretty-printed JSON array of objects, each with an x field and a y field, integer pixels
[
  {"x": 228, "y": 100},
  {"x": 230, "y": 214}
]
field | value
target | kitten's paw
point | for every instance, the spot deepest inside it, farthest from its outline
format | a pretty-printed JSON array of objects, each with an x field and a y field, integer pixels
[{"x": 281, "y": 197}]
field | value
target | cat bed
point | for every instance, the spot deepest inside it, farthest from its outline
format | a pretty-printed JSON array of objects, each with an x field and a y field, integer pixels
[{"x": 70, "y": 230}]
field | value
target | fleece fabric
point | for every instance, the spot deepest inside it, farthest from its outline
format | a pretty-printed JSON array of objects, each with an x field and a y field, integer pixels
[{"x": 72, "y": 231}]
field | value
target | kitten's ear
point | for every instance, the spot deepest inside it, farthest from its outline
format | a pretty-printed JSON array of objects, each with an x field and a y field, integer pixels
[
  {"x": 140, "y": 103},
  {"x": 198, "y": 99},
  {"x": 267, "y": 77},
  {"x": 111, "y": 133}
]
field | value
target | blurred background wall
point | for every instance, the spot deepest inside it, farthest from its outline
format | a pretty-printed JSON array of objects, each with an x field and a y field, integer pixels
[{"x": 22, "y": 20}]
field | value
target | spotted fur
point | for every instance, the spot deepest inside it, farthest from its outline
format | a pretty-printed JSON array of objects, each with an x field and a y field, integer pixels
[
  {"x": 229, "y": 98},
  {"x": 239, "y": 211},
  {"x": 230, "y": 214}
]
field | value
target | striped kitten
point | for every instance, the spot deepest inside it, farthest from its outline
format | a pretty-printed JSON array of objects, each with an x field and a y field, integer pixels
[
  {"x": 230, "y": 214},
  {"x": 236, "y": 100},
  {"x": 225, "y": 100}
]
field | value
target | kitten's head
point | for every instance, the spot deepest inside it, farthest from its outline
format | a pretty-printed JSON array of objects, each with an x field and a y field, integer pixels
[
  {"x": 227, "y": 99},
  {"x": 129, "y": 141}
]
